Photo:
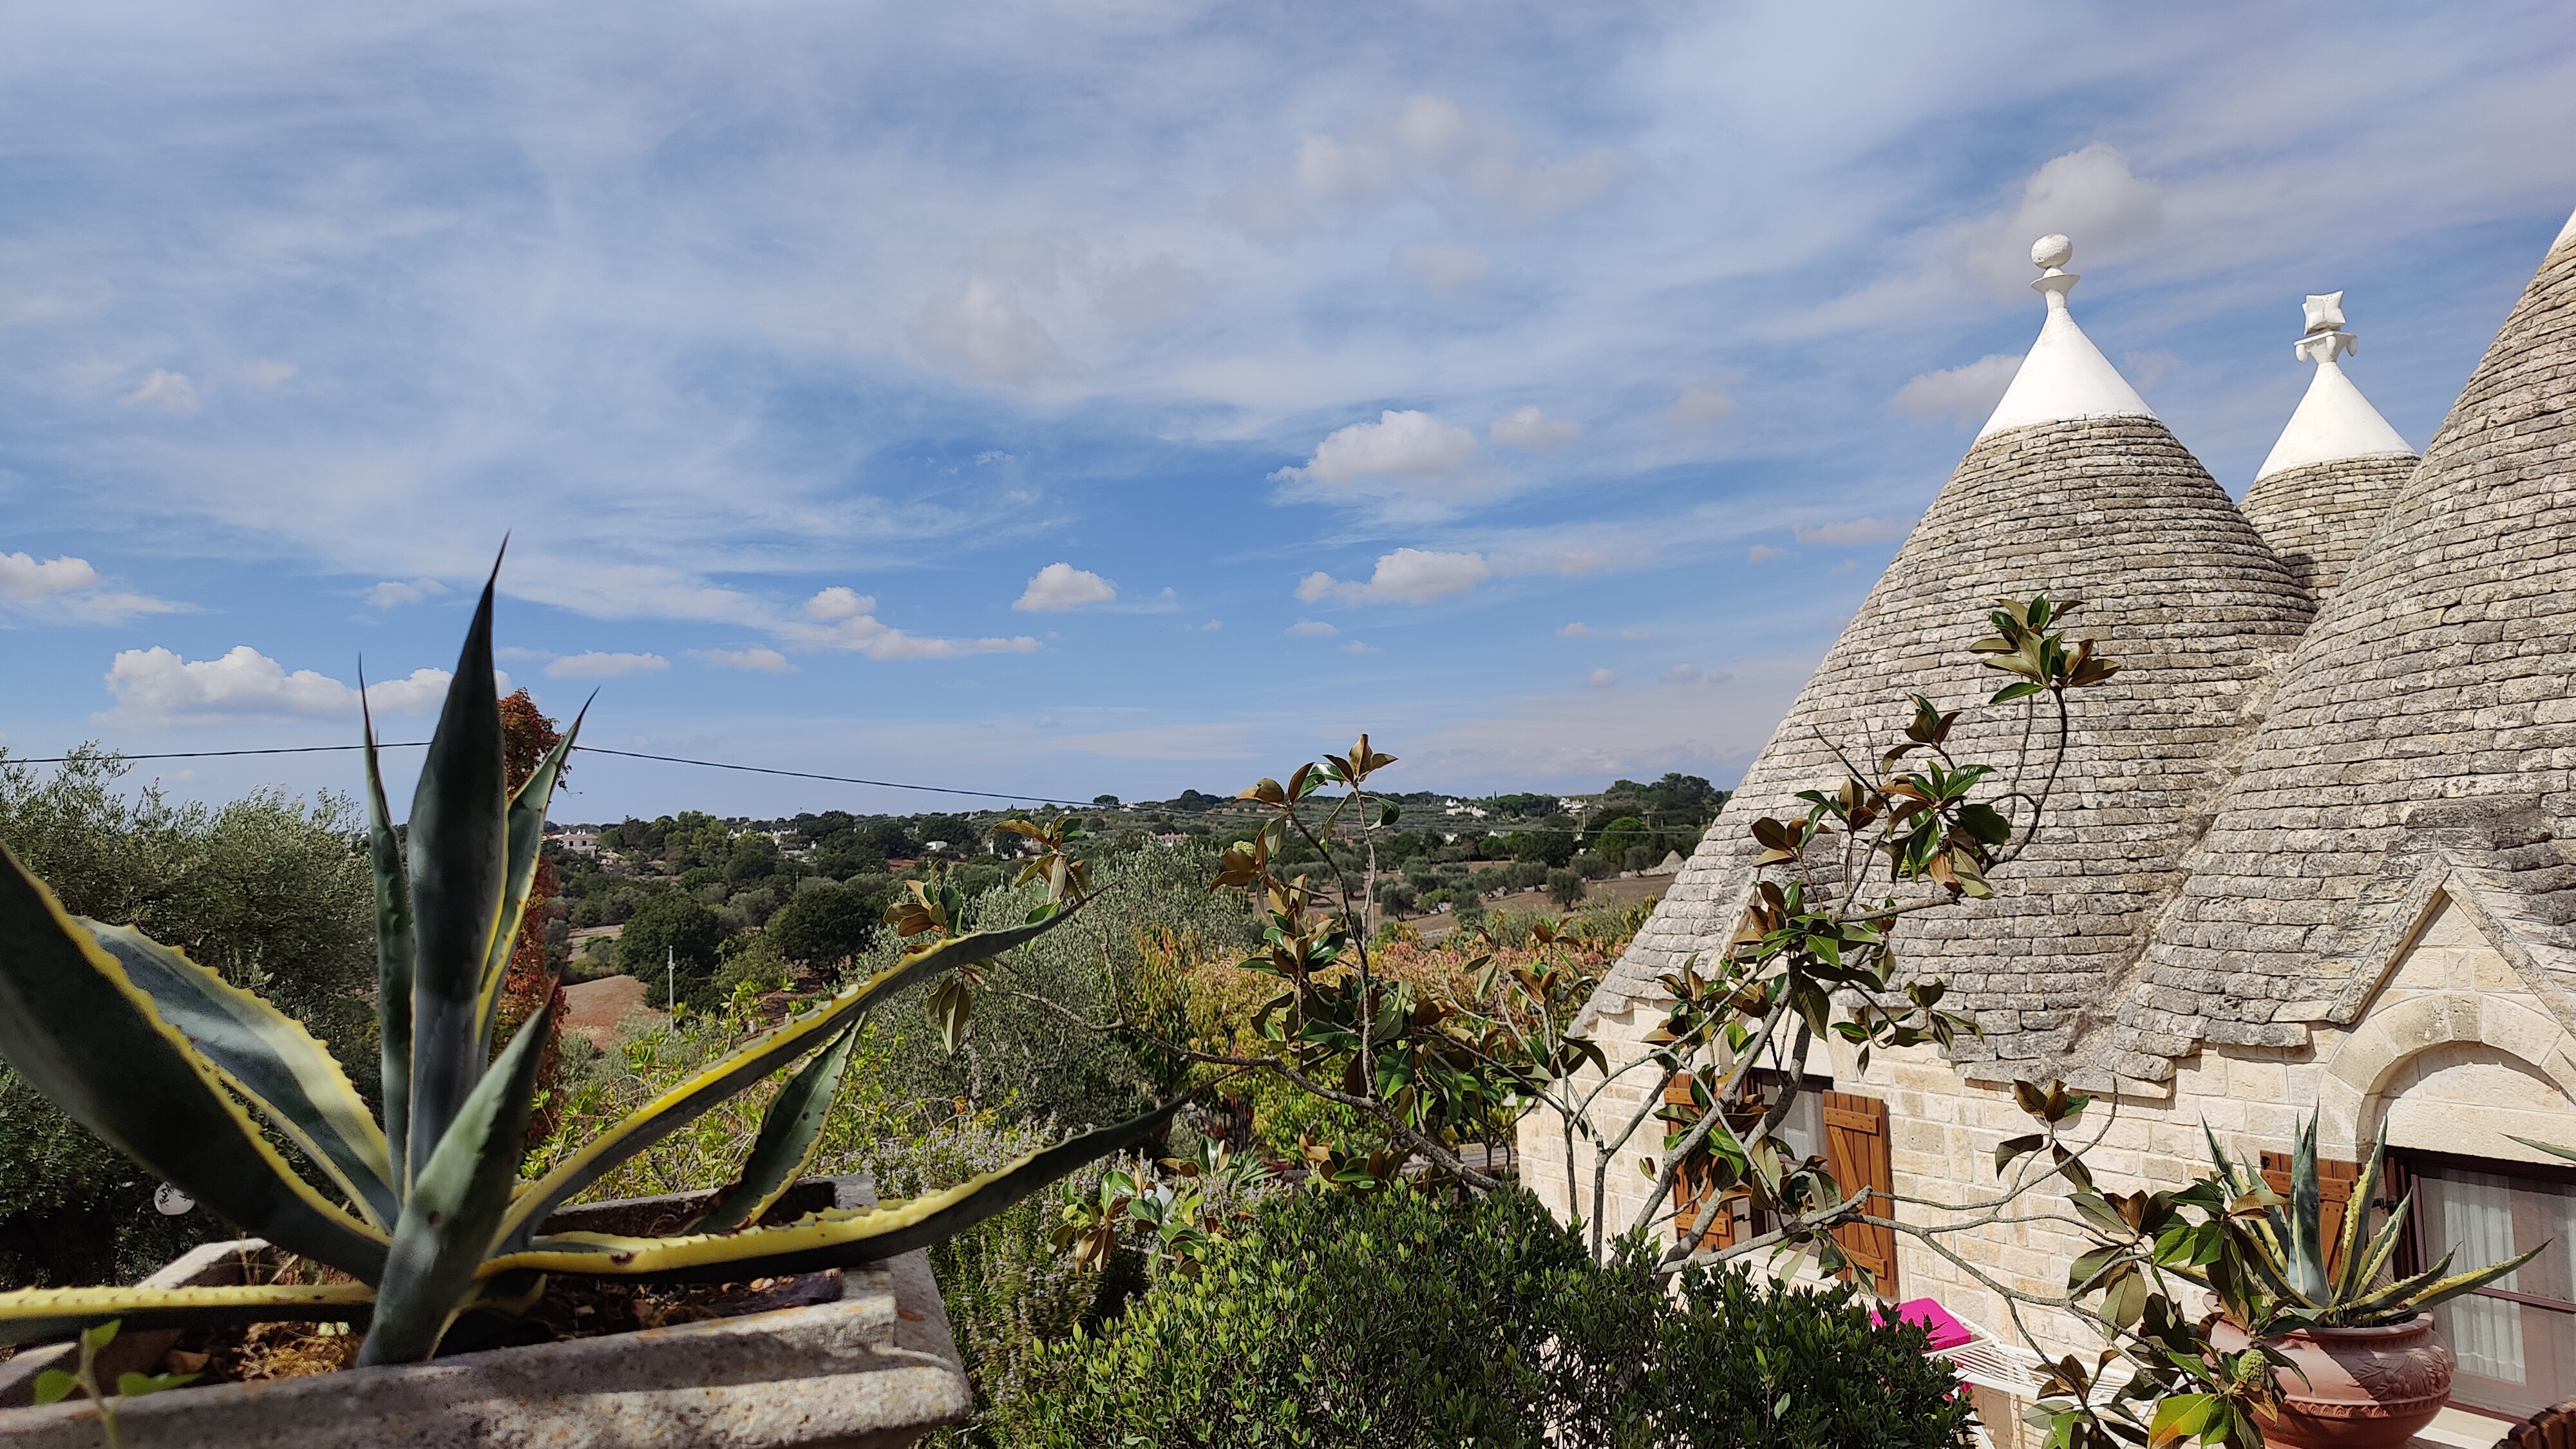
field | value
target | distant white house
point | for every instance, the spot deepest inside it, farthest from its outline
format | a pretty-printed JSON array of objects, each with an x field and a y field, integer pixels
[{"x": 576, "y": 842}]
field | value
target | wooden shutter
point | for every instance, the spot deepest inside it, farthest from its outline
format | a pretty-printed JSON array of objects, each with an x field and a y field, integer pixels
[
  {"x": 1856, "y": 1153},
  {"x": 1692, "y": 1200},
  {"x": 2334, "y": 1194}
]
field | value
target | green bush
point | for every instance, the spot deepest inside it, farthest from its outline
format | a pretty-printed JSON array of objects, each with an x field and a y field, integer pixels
[
  {"x": 1565, "y": 888},
  {"x": 1401, "y": 1320},
  {"x": 267, "y": 890},
  {"x": 825, "y": 924},
  {"x": 671, "y": 933}
]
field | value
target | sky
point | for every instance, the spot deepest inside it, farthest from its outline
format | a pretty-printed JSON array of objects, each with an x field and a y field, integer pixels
[{"x": 1125, "y": 397}]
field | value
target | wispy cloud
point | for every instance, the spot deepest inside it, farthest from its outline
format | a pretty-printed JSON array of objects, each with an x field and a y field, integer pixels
[
  {"x": 68, "y": 590},
  {"x": 1406, "y": 576},
  {"x": 594, "y": 664}
]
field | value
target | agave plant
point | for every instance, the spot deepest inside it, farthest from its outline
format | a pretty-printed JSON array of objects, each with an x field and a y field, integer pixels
[
  {"x": 2277, "y": 1272},
  {"x": 178, "y": 1069}
]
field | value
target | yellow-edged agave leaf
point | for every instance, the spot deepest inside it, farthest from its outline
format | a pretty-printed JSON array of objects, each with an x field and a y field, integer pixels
[
  {"x": 789, "y": 1132},
  {"x": 747, "y": 1064},
  {"x": 46, "y": 1315},
  {"x": 527, "y": 834},
  {"x": 268, "y": 1057},
  {"x": 393, "y": 956},
  {"x": 455, "y": 1206},
  {"x": 838, "y": 1238},
  {"x": 459, "y": 856},
  {"x": 82, "y": 1033}
]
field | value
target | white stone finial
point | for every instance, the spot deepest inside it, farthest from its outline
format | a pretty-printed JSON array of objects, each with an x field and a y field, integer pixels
[
  {"x": 2334, "y": 421},
  {"x": 2064, "y": 377},
  {"x": 2325, "y": 339}
]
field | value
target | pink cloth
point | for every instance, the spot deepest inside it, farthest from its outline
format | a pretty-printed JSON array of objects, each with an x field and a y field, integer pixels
[{"x": 1944, "y": 1331}]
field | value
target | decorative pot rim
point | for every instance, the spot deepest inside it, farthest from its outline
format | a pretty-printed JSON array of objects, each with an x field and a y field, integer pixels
[{"x": 2324, "y": 1333}]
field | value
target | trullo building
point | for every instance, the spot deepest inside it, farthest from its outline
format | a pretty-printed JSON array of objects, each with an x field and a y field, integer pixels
[{"x": 2314, "y": 847}]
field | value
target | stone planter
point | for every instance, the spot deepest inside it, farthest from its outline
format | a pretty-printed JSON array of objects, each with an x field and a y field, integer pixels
[
  {"x": 874, "y": 1370},
  {"x": 2366, "y": 1387}
]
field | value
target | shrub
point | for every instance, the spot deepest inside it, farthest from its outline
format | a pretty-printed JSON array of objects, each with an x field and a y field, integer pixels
[
  {"x": 1591, "y": 866},
  {"x": 825, "y": 924},
  {"x": 1398, "y": 1319},
  {"x": 1565, "y": 888},
  {"x": 1526, "y": 875},
  {"x": 671, "y": 932},
  {"x": 1395, "y": 895}
]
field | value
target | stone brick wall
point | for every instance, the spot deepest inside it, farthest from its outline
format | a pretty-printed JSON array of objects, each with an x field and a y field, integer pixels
[{"x": 2319, "y": 517}]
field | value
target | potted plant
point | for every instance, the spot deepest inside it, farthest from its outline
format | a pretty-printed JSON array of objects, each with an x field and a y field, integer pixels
[
  {"x": 423, "y": 1214},
  {"x": 2363, "y": 1366}
]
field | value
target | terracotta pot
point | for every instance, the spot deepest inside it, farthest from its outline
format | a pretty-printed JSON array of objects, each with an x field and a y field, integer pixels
[{"x": 2366, "y": 1387}]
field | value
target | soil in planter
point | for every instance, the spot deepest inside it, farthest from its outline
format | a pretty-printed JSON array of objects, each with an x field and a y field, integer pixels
[{"x": 571, "y": 1308}]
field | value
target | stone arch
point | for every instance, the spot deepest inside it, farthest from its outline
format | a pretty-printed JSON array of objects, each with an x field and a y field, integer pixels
[{"x": 2454, "y": 1024}]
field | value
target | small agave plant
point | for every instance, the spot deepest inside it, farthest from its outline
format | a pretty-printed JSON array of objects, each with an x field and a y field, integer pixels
[{"x": 168, "y": 1062}]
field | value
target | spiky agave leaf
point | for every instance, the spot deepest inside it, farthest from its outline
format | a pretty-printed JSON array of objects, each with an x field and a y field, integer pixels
[
  {"x": 746, "y": 1064},
  {"x": 81, "y": 1032},
  {"x": 459, "y": 859},
  {"x": 839, "y": 1238},
  {"x": 2351, "y": 1277},
  {"x": 269, "y": 1058},
  {"x": 393, "y": 958},
  {"x": 789, "y": 1132},
  {"x": 454, "y": 1210},
  {"x": 526, "y": 824},
  {"x": 46, "y": 1315},
  {"x": 2303, "y": 1225}
]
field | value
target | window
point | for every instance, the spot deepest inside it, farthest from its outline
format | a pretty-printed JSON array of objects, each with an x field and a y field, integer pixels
[{"x": 2515, "y": 1339}]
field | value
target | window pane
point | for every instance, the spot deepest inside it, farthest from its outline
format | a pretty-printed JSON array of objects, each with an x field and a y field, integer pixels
[{"x": 2516, "y": 1354}]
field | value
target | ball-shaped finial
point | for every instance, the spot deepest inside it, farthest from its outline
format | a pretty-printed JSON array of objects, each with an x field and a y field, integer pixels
[{"x": 2052, "y": 250}]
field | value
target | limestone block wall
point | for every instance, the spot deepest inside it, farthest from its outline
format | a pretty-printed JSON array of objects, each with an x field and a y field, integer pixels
[{"x": 2454, "y": 1052}]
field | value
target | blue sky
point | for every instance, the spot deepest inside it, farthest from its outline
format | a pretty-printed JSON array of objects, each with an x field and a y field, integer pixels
[{"x": 1125, "y": 397}]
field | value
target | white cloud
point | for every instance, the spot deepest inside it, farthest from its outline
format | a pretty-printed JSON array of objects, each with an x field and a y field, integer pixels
[
  {"x": 69, "y": 590},
  {"x": 1403, "y": 444},
  {"x": 263, "y": 375},
  {"x": 391, "y": 594},
  {"x": 1852, "y": 532},
  {"x": 1356, "y": 647},
  {"x": 854, "y": 626},
  {"x": 1312, "y": 629},
  {"x": 2090, "y": 195},
  {"x": 1406, "y": 576},
  {"x": 164, "y": 392},
  {"x": 1459, "y": 162},
  {"x": 22, "y": 578},
  {"x": 1763, "y": 552},
  {"x": 1693, "y": 674},
  {"x": 982, "y": 326},
  {"x": 1153, "y": 293},
  {"x": 1061, "y": 586},
  {"x": 764, "y": 661},
  {"x": 1634, "y": 634},
  {"x": 1601, "y": 679},
  {"x": 1575, "y": 630},
  {"x": 1964, "y": 395},
  {"x": 1700, "y": 408},
  {"x": 1443, "y": 266},
  {"x": 596, "y": 665},
  {"x": 1530, "y": 428},
  {"x": 157, "y": 687}
]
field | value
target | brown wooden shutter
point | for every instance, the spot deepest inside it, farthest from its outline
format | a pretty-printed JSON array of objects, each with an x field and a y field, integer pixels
[
  {"x": 1856, "y": 1153},
  {"x": 2334, "y": 1194},
  {"x": 1692, "y": 1200}
]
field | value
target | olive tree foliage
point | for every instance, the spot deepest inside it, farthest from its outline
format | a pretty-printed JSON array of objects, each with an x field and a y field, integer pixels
[
  {"x": 1014, "y": 1052},
  {"x": 270, "y": 890}
]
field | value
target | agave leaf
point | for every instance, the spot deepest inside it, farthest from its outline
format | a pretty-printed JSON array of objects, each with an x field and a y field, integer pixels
[
  {"x": 750, "y": 1062},
  {"x": 789, "y": 1131},
  {"x": 2552, "y": 1148},
  {"x": 2432, "y": 1287},
  {"x": 2452, "y": 1287},
  {"x": 2349, "y": 1279},
  {"x": 87, "y": 1037},
  {"x": 268, "y": 1057},
  {"x": 459, "y": 865},
  {"x": 2382, "y": 1248},
  {"x": 46, "y": 1315},
  {"x": 833, "y": 1239},
  {"x": 393, "y": 959},
  {"x": 2304, "y": 1238},
  {"x": 455, "y": 1207},
  {"x": 527, "y": 833}
]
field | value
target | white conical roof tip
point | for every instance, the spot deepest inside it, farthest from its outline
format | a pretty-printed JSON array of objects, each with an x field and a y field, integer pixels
[
  {"x": 2334, "y": 420},
  {"x": 2065, "y": 377}
]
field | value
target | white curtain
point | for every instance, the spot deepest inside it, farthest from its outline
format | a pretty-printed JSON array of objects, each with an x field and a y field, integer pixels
[{"x": 2477, "y": 1228}]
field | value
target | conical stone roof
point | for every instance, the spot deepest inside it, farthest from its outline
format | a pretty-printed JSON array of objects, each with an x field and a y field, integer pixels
[
  {"x": 2320, "y": 494},
  {"x": 2423, "y": 738},
  {"x": 2107, "y": 509}
]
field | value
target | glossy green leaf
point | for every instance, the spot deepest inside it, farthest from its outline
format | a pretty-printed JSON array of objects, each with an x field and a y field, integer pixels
[
  {"x": 789, "y": 1131},
  {"x": 459, "y": 858},
  {"x": 747, "y": 1064},
  {"x": 268, "y": 1057},
  {"x": 454, "y": 1211},
  {"x": 393, "y": 958},
  {"x": 53, "y": 1386},
  {"x": 86, "y": 1036}
]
